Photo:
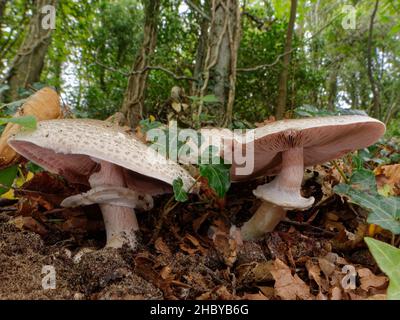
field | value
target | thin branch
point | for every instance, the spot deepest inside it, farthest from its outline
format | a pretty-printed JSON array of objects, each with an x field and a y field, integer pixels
[
  {"x": 198, "y": 10},
  {"x": 127, "y": 74},
  {"x": 268, "y": 65},
  {"x": 262, "y": 24}
]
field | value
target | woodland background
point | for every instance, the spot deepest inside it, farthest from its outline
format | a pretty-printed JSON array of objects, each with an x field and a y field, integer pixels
[{"x": 232, "y": 62}]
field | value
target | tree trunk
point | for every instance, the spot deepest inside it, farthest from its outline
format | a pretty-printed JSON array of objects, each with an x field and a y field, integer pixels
[
  {"x": 221, "y": 59},
  {"x": 282, "y": 90},
  {"x": 332, "y": 87},
  {"x": 132, "y": 106},
  {"x": 29, "y": 61},
  {"x": 201, "y": 50},
  {"x": 374, "y": 87},
  {"x": 2, "y": 9}
]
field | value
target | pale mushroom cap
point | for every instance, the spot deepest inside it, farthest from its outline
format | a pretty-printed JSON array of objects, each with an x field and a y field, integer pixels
[
  {"x": 67, "y": 147},
  {"x": 323, "y": 139}
]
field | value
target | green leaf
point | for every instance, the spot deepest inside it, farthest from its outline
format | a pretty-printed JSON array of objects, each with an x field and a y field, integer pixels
[
  {"x": 364, "y": 180},
  {"x": 28, "y": 122},
  {"x": 384, "y": 211},
  {"x": 148, "y": 125},
  {"x": 388, "y": 259},
  {"x": 7, "y": 177},
  {"x": 218, "y": 176},
  {"x": 33, "y": 167},
  {"x": 210, "y": 98},
  {"x": 179, "y": 192}
]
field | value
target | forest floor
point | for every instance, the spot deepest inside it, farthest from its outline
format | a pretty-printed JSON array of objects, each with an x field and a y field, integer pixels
[{"x": 188, "y": 254}]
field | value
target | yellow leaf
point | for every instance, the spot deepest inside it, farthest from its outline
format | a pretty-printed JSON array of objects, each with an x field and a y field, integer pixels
[
  {"x": 152, "y": 118},
  {"x": 8, "y": 195}
]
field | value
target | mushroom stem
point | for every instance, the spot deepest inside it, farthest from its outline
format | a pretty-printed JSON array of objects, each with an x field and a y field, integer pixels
[
  {"x": 278, "y": 196},
  {"x": 121, "y": 225},
  {"x": 264, "y": 220},
  {"x": 120, "y": 222},
  {"x": 284, "y": 190}
]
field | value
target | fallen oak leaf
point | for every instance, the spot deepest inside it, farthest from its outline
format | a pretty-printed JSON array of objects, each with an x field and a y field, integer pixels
[
  {"x": 369, "y": 280},
  {"x": 254, "y": 296},
  {"x": 29, "y": 223},
  {"x": 314, "y": 272},
  {"x": 287, "y": 286}
]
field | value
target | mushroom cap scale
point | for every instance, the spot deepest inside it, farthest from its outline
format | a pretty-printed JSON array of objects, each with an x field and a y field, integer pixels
[
  {"x": 322, "y": 139},
  {"x": 68, "y": 147}
]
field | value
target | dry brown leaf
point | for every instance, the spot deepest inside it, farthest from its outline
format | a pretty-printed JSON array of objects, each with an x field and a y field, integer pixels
[
  {"x": 29, "y": 223},
  {"x": 269, "y": 292},
  {"x": 321, "y": 296},
  {"x": 369, "y": 280},
  {"x": 336, "y": 293},
  {"x": 165, "y": 273},
  {"x": 287, "y": 286},
  {"x": 389, "y": 175},
  {"x": 44, "y": 105},
  {"x": 326, "y": 265},
  {"x": 226, "y": 247},
  {"x": 254, "y": 296},
  {"x": 191, "y": 245},
  {"x": 314, "y": 272},
  {"x": 255, "y": 272},
  {"x": 162, "y": 247},
  {"x": 75, "y": 225},
  {"x": 378, "y": 297}
]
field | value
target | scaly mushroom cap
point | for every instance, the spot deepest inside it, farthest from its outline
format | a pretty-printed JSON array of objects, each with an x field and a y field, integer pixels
[
  {"x": 72, "y": 148},
  {"x": 322, "y": 139}
]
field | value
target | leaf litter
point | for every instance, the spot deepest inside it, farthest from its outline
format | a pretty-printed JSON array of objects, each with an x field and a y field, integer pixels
[{"x": 317, "y": 254}]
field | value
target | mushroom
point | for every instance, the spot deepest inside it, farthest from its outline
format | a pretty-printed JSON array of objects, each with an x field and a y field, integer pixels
[
  {"x": 123, "y": 172},
  {"x": 284, "y": 148}
]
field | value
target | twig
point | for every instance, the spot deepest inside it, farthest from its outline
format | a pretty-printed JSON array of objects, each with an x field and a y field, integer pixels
[
  {"x": 346, "y": 180},
  {"x": 268, "y": 65},
  {"x": 198, "y": 10},
  {"x": 302, "y": 224},
  {"x": 127, "y": 74}
]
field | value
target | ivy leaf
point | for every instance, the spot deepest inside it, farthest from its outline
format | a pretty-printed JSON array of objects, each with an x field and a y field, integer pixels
[
  {"x": 218, "y": 176},
  {"x": 210, "y": 98},
  {"x": 364, "y": 180},
  {"x": 28, "y": 122},
  {"x": 179, "y": 192},
  {"x": 33, "y": 167},
  {"x": 388, "y": 259},
  {"x": 7, "y": 177},
  {"x": 384, "y": 211},
  {"x": 148, "y": 125}
]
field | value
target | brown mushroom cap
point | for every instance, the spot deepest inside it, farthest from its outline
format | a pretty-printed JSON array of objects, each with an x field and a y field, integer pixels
[
  {"x": 322, "y": 139},
  {"x": 72, "y": 148}
]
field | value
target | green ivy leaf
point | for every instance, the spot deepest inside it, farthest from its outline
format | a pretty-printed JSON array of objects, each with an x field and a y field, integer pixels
[
  {"x": 179, "y": 192},
  {"x": 28, "y": 122},
  {"x": 218, "y": 176},
  {"x": 7, "y": 177},
  {"x": 364, "y": 180},
  {"x": 33, "y": 167},
  {"x": 210, "y": 98},
  {"x": 148, "y": 125},
  {"x": 384, "y": 211},
  {"x": 388, "y": 259}
]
